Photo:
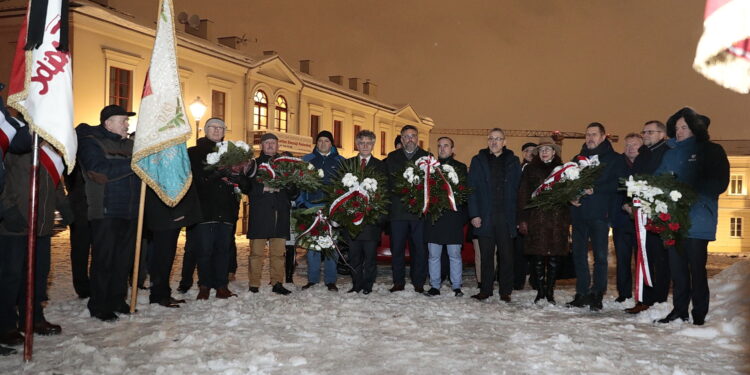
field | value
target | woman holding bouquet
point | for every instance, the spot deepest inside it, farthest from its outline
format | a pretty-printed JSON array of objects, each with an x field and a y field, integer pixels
[
  {"x": 703, "y": 165},
  {"x": 545, "y": 231}
]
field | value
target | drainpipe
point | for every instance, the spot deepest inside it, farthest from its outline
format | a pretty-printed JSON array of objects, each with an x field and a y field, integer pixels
[{"x": 244, "y": 106}]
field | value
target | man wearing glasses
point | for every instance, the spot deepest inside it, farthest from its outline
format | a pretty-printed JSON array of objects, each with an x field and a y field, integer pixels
[
  {"x": 405, "y": 225},
  {"x": 649, "y": 157},
  {"x": 494, "y": 176}
]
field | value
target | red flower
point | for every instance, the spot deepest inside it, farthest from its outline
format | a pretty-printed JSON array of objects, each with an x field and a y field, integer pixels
[
  {"x": 665, "y": 216},
  {"x": 674, "y": 226},
  {"x": 412, "y": 202},
  {"x": 274, "y": 165},
  {"x": 444, "y": 187},
  {"x": 461, "y": 187},
  {"x": 404, "y": 190},
  {"x": 368, "y": 208},
  {"x": 301, "y": 173},
  {"x": 301, "y": 227},
  {"x": 669, "y": 242},
  {"x": 433, "y": 199},
  {"x": 339, "y": 191},
  {"x": 286, "y": 174},
  {"x": 419, "y": 187},
  {"x": 325, "y": 227},
  {"x": 432, "y": 181},
  {"x": 657, "y": 228},
  {"x": 314, "y": 232},
  {"x": 355, "y": 204}
]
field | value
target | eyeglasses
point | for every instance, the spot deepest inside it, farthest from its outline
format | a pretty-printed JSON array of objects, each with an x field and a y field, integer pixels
[
  {"x": 649, "y": 132},
  {"x": 215, "y": 128},
  {"x": 495, "y": 139},
  {"x": 408, "y": 136},
  {"x": 365, "y": 143}
]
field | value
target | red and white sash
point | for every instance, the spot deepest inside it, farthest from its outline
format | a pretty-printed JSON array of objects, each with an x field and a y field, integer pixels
[
  {"x": 643, "y": 275},
  {"x": 426, "y": 164}
]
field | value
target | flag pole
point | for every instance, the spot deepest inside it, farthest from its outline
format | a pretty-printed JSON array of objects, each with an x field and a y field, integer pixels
[
  {"x": 138, "y": 238},
  {"x": 28, "y": 342}
]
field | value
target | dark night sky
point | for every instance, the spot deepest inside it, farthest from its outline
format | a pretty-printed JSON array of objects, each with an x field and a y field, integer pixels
[{"x": 529, "y": 64}]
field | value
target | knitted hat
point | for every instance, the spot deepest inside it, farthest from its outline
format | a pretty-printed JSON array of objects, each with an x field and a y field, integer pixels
[{"x": 324, "y": 133}]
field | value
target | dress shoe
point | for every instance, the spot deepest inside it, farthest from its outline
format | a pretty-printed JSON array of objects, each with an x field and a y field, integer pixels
[
  {"x": 352, "y": 290},
  {"x": 203, "y": 293},
  {"x": 699, "y": 321},
  {"x": 106, "y": 316},
  {"x": 332, "y": 287},
  {"x": 166, "y": 302},
  {"x": 175, "y": 300},
  {"x": 11, "y": 338},
  {"x": 84, "y": 295},
  {"x": 279, "y": 289},
  {"x": 432, "y": 292},
  {"x": 397, "y": 288},
  {"x": 672, "y": 316},
  {"x": 7, "y": 351},
  {"x": 308, "y": 286},
  {"x": 621, "y": 299},
  {"x": 596, "y": 301},
  {"x": 419, "y": 289},
  {"x": 479, "y": 285},
  {"x": 124, "y": 309},
  {"x": 505, "y": 298},
  {"x": 366, "y": 291},
  {"x": 458, "y": 292},
  {"x": 481, "y": 296},
  {"x": 183, "y": 289},
  {"x": 578, "y": 301},
  {"x": 253, "y": 289},
  {"x": 46, "y": 328},
  {"x": 224, "y": 293},
  {"x": 637, "y": 308}
]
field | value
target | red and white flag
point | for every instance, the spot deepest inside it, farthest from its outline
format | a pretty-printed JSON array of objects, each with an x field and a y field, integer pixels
[
  {"x": 41, "y": 81},
  {"x": 723, "y": 53},
  {"x": 7, "y": 132}
]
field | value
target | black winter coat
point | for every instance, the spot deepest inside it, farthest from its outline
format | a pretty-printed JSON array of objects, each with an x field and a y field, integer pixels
[
  {"x": 269, "y": 212},
  {"x": 449, "y": 228},
  {"x": 482, "y": 199},
  {"x": 649, "y": 158},
  {"x": 395, "y": 164},
  {"x": 598, "y": 205},
  {"x": 547, "y": 230}
]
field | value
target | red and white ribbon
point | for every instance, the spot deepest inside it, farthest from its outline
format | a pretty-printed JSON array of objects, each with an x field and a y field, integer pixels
[
  {"x": 353, "y": 192},
  {"x": 52, "y": 162},
  {"x": 552, "y": 179},
  {"x": 643, "y": 275},
  {"x": 426, "y": 164},
  {"x": 319, "y": 219},
  {"x": 268, "y": 168},
  {"x": 7, "y": 132}
]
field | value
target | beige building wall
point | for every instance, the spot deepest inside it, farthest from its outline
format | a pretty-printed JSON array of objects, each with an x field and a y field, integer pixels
[{"x": 734, "y": 203}]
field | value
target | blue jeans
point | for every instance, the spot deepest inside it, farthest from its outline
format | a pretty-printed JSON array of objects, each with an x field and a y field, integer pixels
[
  {"x": 313, "y": 267},
  {"x": 456, "y": 267},
  {"x": 597, "y": 231}
]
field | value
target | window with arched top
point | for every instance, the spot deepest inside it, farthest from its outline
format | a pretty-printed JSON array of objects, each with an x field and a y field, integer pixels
[
  {"x": 260, "y": 110},
  {"x": 281, "y": 114}
]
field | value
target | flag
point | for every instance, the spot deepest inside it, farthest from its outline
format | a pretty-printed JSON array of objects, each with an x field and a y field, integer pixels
[
  {"x": 159, "y": 154},
  {"x": 41, "y": 82},
  {"x": 723, "y": 53},
  {"x": 52, "y": 163}
]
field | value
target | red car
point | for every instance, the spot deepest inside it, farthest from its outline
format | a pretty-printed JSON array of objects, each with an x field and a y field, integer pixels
[{"x": 384, "y": 249}]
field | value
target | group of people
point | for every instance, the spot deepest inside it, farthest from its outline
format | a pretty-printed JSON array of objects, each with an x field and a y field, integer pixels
[{"x": 104, "y": 192}]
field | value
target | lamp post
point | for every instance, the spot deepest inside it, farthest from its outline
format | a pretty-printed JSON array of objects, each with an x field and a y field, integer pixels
[{"x": 197, "y": 109}]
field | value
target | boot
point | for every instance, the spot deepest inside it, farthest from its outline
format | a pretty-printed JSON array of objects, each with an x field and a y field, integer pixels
[
  {"x": 203, "y": 293},
  {"x": 290, "y": 263},
  {"x": 596, "y": 301},
  {"x": 539, "y": 275},
  {"x": 552, "y": 264}
]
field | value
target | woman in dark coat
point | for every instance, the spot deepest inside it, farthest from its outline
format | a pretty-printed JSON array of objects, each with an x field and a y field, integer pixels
[{"x": 546, "y": 232}]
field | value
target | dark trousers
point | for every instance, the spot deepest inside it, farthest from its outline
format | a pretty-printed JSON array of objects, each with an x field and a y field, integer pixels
[
  {"x": 212, "y": 253},
  {"x": 501, "y": 241},
  {"x": 80, "y": 250},
  {"x": 688, "y": 267},
  {"x": 189, "y": 263},
  {"x": 362, "y": 259},
  {"x": 163, "y": 247},
  {"x": 413, "y": 230},
  {"x": 113, "y": 247},
  {"x": 520, "y": 263},
  {"x": 597, "y": 231},
  {"x": 13, "y": 280},
  {"x": 658, "y": 263},
  {"x": 625, "y": 247},
  {"x": 233, "y": 251}
]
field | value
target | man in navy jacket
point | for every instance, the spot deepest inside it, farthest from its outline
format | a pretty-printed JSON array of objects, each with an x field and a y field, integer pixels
[{"x": 494, "y": 176}]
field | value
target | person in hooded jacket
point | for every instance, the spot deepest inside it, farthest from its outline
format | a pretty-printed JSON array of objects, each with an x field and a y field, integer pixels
[
  {"x": 325, "y": 157},
  {"x": 590, "y": 216},
  {"x": 545, "y": 231},
  {"x": 270, "y": 210},
  {"x": 704, "y": 166},
  {"x": 494, "y": 176}
]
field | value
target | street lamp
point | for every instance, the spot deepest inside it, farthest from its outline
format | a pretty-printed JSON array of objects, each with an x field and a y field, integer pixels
[{"x": 197, "y": 109}]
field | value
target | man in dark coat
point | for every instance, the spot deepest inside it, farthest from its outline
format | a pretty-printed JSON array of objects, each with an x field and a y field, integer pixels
[
  {"x": 325, "y": 157},
  {"x": 649, "y": 157},
  {"x": 520, "y": 261},
  {"x": 447, "y": 231},
  {"x": 363, "y": 248},
  {"x": 80, "y": 232},
  {"x": 269, "y": 222},
  {"x": 590, "y": 219},
  {"x": 112, "y": 195},
  {"x": 219, "y": 208},
  {"x": 623, "y": 228},
  {"x": 405, "y": 225},
  {"x": 494, "y": 176}
]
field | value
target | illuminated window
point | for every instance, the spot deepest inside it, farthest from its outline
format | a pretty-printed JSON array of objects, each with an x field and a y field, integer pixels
[
  {"x": 218, "y": 106},
  {"x": 735, "y": 227},
  {"x": 260, "y": 110},
  {"x": 421, "y": 145},
  {"x": 314, "y": 125},
  {"x": 121, "y": 87},
  {"x": 735, "y": 185},
  {"x": 281, "y": 114},
  {"x": 382, "y": 143},
  {"x": 337, "y": 132},
  {"x": 357, "y": 128}
]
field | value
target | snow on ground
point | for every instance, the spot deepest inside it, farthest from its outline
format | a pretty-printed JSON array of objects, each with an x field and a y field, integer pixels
[{"x": 319, "y": 332}]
